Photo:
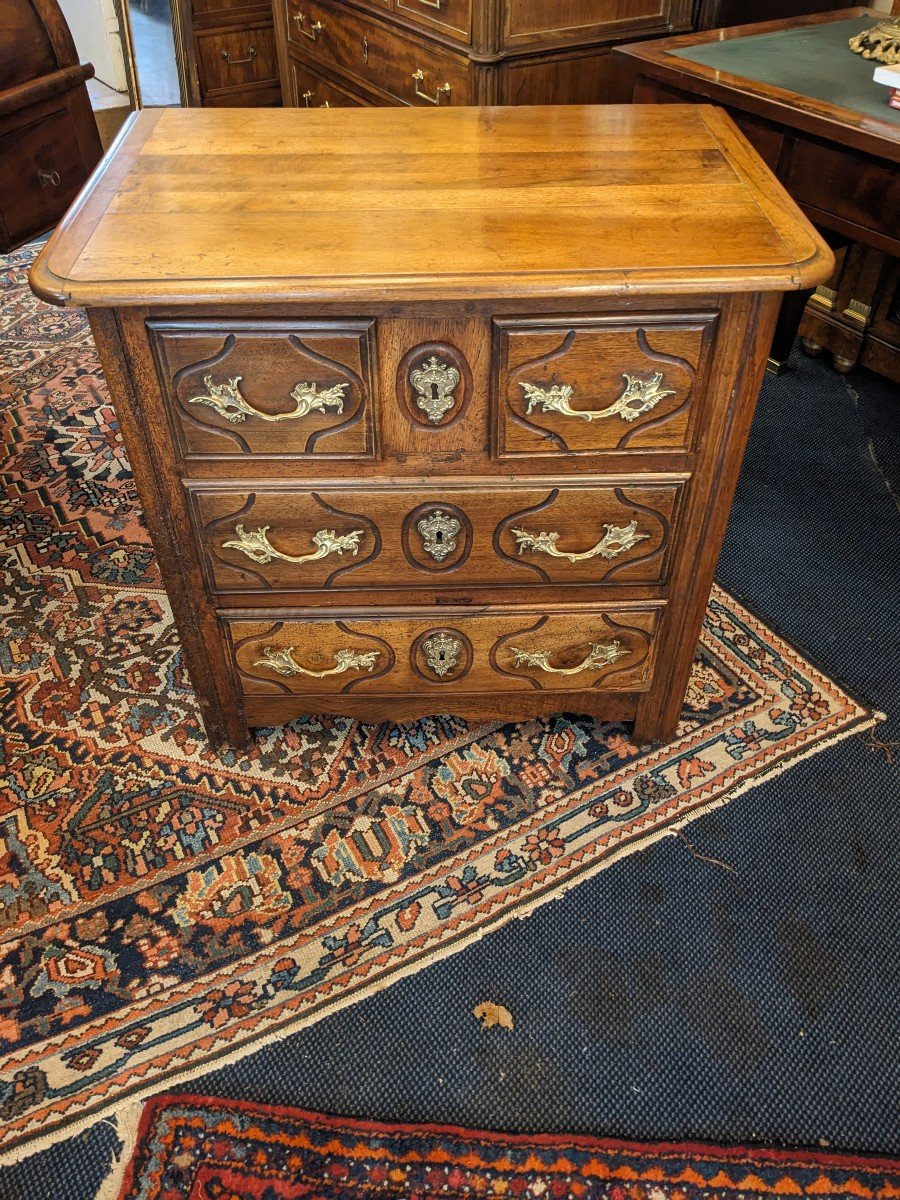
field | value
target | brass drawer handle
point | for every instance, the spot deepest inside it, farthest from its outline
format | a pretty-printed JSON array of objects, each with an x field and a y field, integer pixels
[
  {"x": 314, "y": 29},
  {"x": 616, "y": 540},
  {"x": 282, "y": 662},
  {"x": 226, "y": 399},
  {"x": 307, "y": 96},
  {"x": 443, "y": 90},
  {"x": 237, "y": 62},
  {"x": 600, "y": 656},
  {"x": 256, "y": 545},
  {"x": 641, "y": 393},
  {"x": 51, "y": 177},
  {"x": 365, "y": 48}
]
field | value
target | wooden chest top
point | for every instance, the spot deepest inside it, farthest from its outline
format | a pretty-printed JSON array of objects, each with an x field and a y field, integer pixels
[{"x": 207, "y": 205}]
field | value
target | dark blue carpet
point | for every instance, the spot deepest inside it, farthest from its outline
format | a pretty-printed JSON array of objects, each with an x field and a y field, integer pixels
[{"x": 671, "y": 997}]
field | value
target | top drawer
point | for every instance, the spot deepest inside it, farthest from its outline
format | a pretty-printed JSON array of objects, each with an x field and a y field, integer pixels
[
  {"x": 297, "y": 388},
  {"x": 534, "y": 22},
  {"x": 450, "y": 17},
  {"x": 599, "y": 384},
  {"x": 397, "y": 64}
]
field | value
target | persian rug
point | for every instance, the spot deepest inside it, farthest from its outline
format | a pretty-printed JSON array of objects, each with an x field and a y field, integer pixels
[
  {"x": 166, "y": 908},
  {"x": 195, "y": 1148}
]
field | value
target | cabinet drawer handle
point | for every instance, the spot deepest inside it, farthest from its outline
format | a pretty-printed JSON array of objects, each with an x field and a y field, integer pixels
[
  {"x": 51, "y": 177},
  {"x": 443, "y": 90},
  {"x": 600, "y": 656},
  {"x": 641, "y": 393},
  {"x": 256, "y": 545},
  {"x": 616, "y": 540},
  {"x": 226, "y": 399},
  {"x": 308, "y": 96},
  {"x": 314, "y": 29},
  {"x": 237, "y": 62},
  {"x": 282, "y": 662},
  {"x": 365, "y": 46}
]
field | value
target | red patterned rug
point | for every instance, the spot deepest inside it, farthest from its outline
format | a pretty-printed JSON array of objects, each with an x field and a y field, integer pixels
[
  {"x": 165, "y": 908},
  {"x": 195, "y": 1148}
]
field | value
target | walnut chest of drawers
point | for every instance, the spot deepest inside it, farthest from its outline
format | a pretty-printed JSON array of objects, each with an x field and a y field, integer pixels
[{"x": 434, "y": 411}]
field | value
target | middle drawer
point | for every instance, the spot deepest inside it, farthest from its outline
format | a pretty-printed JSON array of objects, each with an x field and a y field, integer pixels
[{"x": 327, "y": 536}]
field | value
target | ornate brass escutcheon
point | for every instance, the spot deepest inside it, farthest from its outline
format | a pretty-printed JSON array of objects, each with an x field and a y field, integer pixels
[
  {"x": 641, "y": 393},
  {"x": 442, "y": 652},
  {"x": 434, "y": 382},
  {"x": 226, "y": 399},
  {"x": 616, "y": 540},
  {"x": 439, "y": 532},
  {"x": 282, "y": 662},
  {"x": 600, "y": 656},
  {"x": 256, "y": 545}
]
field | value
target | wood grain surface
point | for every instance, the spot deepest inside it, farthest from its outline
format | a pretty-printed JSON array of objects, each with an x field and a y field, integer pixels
[{"x": 386, "y": 204}]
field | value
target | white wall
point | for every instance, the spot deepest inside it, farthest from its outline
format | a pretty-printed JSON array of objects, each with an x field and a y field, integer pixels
[{"x": 95, "y": 29}]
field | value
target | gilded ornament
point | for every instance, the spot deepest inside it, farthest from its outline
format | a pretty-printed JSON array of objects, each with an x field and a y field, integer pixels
[
  {"x": 600, "y": 656},
  {"x": 641, "y": 393},
  {"x": 439, "y": 532},
  {"x": 282, "y": 662},
  {"x": 881, "y": 42},
  {"x": 442, "y": 652},
  {"x": 227, "y": 400},
  {"x": 616, "y": 540},
  {"x": 256, "y": 545},
  {"x": 434, "y": 382}
]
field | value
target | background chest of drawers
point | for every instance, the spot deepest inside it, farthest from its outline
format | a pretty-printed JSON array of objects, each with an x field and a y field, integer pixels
[
  {"x": 230, "y": 50},
  {"x": 442, "y": 52},
  {"x": 335, "y": 53},
  {"x": 462, "y": 439},
  {"x": 48, "y": 137}
]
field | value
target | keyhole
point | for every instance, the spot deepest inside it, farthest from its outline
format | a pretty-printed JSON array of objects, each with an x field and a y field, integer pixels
[
  {"x": 439, "y": 537},
  {"x": 435, "y": 395},
  {"x": 441, "y": 656}
]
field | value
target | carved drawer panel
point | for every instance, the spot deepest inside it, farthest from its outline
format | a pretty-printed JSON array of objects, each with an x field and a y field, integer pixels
[
  {"x": 345, "y": 537},
  {"x": 510, "y": 649},
  {"x": 301, "y": 389},
  {"x": 598, "y": 385},
  {"x": 399, "y": 64}
]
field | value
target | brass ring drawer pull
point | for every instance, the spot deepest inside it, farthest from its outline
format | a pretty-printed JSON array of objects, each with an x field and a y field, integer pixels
[
  {"x": 443, "y": 90},
  {"x": 616, "y": 540},
  {"x": 226, "y": 399},
  {"x": 236, "y": 62},
  {"x": 641, "y": 393},
  {"x": 600, "y": 656},
  {"x": 51, "y": 177},
  {"x": 314, "y": 29},
  {"x": 307, "y": 96},
  {"x": 282, "y": 662},
  {"x": 256, "y": 545}
]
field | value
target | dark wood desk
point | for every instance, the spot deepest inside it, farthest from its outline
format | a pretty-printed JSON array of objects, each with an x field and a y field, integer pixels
[{"x": 809, "y": 107}]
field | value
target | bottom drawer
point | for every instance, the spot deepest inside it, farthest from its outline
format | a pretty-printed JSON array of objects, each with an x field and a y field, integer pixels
[
  {"x": 310, "y": 90},
  {"x": 485, "y": 652}
]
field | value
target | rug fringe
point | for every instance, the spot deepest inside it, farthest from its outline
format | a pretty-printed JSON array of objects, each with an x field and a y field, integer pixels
[
  {"x": 126, "y": 1121},
  {"x": 291, "y": 1027}
]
